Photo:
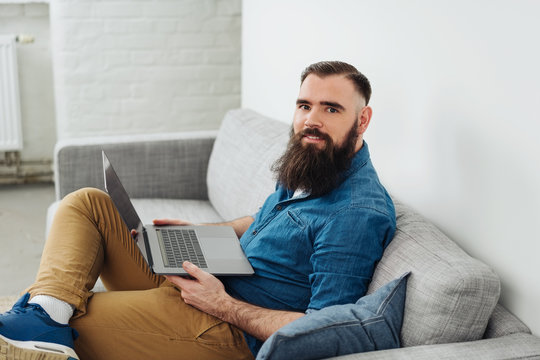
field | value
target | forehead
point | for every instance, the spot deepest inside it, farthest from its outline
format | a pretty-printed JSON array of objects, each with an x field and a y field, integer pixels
[{"x": 334, "y": 88}]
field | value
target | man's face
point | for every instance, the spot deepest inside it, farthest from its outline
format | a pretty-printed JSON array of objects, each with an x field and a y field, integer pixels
[
  {"x": 329, "y": 106},
  {"x": 328, "y": 122}
]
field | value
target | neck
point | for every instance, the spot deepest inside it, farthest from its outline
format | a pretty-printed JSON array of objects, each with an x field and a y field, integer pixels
[{"x": 359, "y": 144}]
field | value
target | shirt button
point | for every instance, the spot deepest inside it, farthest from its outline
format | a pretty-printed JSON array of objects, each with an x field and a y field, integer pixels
[
  {"x": 278, "y": 207},
  {"x": 254, "y": 232}
]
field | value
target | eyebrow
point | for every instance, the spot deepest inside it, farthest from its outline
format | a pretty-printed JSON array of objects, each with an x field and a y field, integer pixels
[
  {"x": 333, "y": 104},
  {"x": 327, "y": 103}
]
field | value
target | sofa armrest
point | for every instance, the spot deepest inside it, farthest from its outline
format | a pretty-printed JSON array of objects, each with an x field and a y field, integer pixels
[
  {"x": 520, "y": 345},
  {"x": 150, "y": 166}
]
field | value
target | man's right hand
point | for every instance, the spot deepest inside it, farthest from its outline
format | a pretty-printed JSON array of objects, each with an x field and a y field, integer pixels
[
  {"x": 164, "y": 222},
  {"x": 239, "y": 225}
]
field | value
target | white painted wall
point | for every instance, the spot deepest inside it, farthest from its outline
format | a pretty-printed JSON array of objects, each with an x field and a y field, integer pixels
[
  {"x": 35, "y": 77},
  {"x": 456, "y": 95},
  {"x": 124, "y": 67}
]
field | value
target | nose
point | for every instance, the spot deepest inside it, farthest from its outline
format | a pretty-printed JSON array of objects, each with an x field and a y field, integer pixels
[{"x": 312, "y": 121}]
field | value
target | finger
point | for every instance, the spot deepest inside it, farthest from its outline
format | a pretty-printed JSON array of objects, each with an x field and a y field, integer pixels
[
  {"x": 168, "y": 222},
  {"x": 179, "y": 281},
  {"x": 164, "y": 222},
  {"x": 194, "y": 271}
]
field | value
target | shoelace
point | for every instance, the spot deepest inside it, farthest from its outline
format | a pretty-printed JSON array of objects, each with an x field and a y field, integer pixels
[
  {"x": 15, "y": 310},
  {"x": 22, "y": 310}
]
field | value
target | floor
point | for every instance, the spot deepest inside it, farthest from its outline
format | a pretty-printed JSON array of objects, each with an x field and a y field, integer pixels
[{"x": 23, "y": 211}]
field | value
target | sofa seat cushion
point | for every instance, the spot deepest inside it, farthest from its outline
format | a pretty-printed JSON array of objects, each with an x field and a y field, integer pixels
[
  {"x": 450, "y": 295},
  {"x": 196, "y": 211},
  {"x": 239, "y": 178}
]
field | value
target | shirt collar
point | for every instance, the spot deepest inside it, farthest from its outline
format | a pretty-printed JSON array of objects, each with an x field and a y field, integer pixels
[{"x": 360, "y": 159}]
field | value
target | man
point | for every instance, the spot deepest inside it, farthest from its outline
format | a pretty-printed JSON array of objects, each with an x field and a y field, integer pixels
[{"x": 314, "y": 243}]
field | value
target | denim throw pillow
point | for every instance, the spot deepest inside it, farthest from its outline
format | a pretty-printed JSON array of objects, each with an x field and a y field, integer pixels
[{"x": 372, "y": 323}]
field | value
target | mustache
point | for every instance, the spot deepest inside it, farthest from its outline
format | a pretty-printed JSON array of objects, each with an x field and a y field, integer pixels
[{"x": 314, "y": 132}]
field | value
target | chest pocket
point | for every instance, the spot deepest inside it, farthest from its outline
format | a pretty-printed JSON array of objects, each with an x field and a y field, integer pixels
[{"x": 295, "y": 218}]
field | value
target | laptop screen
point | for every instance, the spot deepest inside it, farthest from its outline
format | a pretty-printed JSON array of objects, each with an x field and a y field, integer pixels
[{"x": 120, "y": 196}]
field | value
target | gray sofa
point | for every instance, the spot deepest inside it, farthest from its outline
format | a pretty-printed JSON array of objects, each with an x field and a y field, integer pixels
[{"x": 452, "y": 309}]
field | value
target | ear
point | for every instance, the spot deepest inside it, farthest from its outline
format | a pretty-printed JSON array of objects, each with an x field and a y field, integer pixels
[{"x": 364, "y": 117}]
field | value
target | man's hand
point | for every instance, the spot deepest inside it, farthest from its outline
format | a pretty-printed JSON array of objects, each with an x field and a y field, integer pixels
[
  {"x": 207, "y": 293},
  {"x": 164, "y": 222},
  {"x": 239, "y": 225},
  {"x": 204, "y": 291}
]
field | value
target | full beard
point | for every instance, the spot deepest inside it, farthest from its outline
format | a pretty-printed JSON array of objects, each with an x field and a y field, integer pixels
[{"x": 314, "y": 170}]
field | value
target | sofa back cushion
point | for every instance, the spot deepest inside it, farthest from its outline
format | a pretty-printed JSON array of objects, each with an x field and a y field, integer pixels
[
  {"x": 239, "y": 178},
  {"x": 450, "y": 295}
]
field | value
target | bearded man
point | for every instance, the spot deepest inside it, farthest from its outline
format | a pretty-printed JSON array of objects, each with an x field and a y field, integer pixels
[{"x": 314, "y": 243}]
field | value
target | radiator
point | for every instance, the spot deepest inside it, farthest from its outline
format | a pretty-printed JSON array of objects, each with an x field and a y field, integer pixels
[{"x": 10, "y": 107}]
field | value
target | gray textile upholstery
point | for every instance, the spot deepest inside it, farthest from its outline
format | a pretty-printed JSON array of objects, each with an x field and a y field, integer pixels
[
  {"x": 503, "y": 323},
  {"x": 140, "y": 163},
  {"x": 195, "y": 211},
  {"x": 185, "y": 176},
  {"x": 450, "y": 295},
  {"x": 239, "y": 177},
  {"x": 517, "y": 346}
]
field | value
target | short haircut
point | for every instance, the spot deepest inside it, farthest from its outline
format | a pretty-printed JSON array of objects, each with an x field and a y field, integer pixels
[{"x": 325, "y": 68}]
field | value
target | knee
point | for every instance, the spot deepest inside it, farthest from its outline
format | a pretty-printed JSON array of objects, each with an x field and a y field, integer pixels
[
  {"x": 87, "y": 194},
  {"x": 90, "y": 191}
]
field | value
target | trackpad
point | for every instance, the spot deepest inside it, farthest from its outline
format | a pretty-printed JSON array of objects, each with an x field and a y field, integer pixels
[{"x": 221, "y": 248}]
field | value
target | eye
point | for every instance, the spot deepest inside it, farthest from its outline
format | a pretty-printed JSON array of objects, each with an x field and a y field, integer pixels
[
  {"x": 332, "y": 110},
  {"x": 303, "y": 107}
]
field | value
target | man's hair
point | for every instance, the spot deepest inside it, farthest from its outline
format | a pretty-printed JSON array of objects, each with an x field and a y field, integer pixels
[{"x": 325, "y": 68}]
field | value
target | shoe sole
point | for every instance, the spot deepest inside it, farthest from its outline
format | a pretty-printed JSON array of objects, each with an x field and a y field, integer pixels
[{"x": 34, "y": 350}]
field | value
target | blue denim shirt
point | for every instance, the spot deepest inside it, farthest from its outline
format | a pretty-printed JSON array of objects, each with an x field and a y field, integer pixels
[{"x": 312, "y": 252}]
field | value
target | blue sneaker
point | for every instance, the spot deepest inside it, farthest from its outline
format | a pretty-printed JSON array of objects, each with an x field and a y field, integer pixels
[{"x": 28, "y": 332}]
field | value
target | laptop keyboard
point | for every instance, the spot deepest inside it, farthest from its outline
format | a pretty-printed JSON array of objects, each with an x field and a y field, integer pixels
[{"x": 180, "y": 245}]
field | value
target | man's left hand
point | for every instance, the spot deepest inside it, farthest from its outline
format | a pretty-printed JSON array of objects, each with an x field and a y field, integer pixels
[
  {"x": 207, "y": 293},
  {"x": 204, "y": 291}
]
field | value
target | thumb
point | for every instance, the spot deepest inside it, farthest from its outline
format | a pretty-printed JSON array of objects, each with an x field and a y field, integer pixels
[{"x": 193, "y": 270}]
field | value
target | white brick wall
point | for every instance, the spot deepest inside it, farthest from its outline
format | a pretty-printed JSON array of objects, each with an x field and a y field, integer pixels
[{"x": 144, "y": 66}]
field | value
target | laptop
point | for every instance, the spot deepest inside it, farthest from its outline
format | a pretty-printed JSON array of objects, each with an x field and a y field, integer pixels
[{"x": 215, "y": 249}]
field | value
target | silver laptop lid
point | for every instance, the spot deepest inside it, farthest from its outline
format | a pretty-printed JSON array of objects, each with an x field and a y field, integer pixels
[{"x": 120, "y": 196}]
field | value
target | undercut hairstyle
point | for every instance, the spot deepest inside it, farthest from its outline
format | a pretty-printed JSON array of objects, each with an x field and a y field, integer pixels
[{"x": 325, "y": 68}]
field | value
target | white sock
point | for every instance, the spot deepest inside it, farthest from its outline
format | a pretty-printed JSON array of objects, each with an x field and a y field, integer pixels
[{"x": 60, "y": 311}]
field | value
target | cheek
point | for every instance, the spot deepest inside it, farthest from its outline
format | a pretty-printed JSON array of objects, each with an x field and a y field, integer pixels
[
  {"x": 338, "y": 136},
  {"x": 333, "y": 131},
  {"x": 298, "y": 123}
]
